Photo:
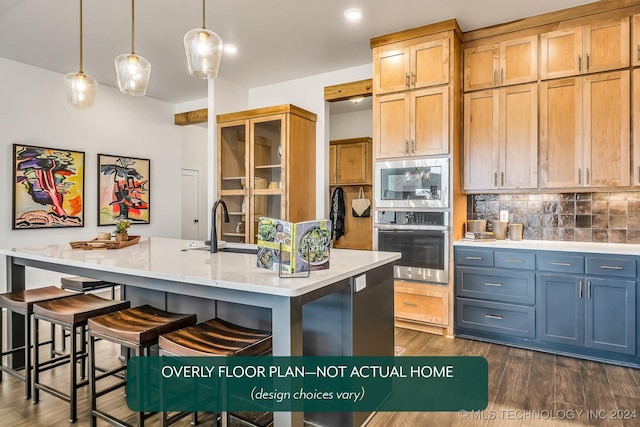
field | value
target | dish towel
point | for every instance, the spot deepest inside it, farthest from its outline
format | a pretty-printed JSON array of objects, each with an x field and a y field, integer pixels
[{"x": 337, "y": 213}]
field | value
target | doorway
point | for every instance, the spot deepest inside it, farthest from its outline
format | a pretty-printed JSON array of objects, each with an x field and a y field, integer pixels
[{"x": 190, "y": 204}]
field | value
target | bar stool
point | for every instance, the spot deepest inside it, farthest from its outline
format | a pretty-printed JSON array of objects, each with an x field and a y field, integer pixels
[
  {"x": 214, "y": 337},
  {"x": 21, "y": 302},
  {"x": 85, "y": 284},
  {"x": 136, "y": 329},
  {"x": 71, "y": 313}
]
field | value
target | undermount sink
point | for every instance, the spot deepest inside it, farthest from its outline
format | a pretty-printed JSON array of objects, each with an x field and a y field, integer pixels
[{"x": 238, "y": 248}]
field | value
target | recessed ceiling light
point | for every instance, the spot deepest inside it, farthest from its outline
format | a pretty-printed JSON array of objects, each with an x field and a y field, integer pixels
[
  {"x": 353, "y": 14},
  {"x": 229, "y": 48}
]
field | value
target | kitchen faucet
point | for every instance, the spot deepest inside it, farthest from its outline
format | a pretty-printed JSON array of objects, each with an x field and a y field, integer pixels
[{"x": 213, "y": 245}]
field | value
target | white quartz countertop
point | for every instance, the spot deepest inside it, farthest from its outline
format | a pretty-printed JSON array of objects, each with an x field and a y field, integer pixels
[
  {"x": 166, "y": 259},
  {"x": 556, "y": 245}
]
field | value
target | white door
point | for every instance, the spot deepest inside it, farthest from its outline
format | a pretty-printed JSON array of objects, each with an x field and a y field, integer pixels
[{"x": 190, "y": 204}]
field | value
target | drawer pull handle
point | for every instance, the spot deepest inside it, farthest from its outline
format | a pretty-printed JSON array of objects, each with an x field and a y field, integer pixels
[
  {"x": 562, "y": 264},
  {"x": 493, "y": 316},
  {"x": 474, "y": 258},
  {"x": 611, "y": 267},
  {"x": 410, "y": 304},
  {"x": 514, "y": 260},
  {"x": 493, "y": 284}
]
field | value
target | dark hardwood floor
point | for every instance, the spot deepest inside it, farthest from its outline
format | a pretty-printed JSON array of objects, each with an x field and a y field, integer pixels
[{"x": 526, "y": 389}]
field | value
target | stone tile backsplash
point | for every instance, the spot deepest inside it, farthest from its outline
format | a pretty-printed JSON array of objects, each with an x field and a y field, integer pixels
[{"x": 585, "y": 217}]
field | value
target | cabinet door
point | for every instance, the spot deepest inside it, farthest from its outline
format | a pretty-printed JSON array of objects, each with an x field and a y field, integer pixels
[
  {"x": 561, "y": 133},
  {"x": 391, "y": 125},
  {"x": 429, "y": 121},
  {"x": 635, "y": 174},
  {"x": 611, "y": 315},
  {"x": 391, "y": 70},
  {"x": 560, "y": 309},
  {"x": 606, "y": 116},
  {"x": 430, "y": 63},
  {"x": 519, "y": 61},
  {"x": 333, "y": 164},
  {"x": 351, "y": 163},
  {"x": 519, "y": 137},
  {"x": 481, "y": 67},
  {"x": 481, "y": 137},
  {"x": 606, "y": 45},
  {"x": 561, "y": 53},
  {"x": 635, "y": 40}
]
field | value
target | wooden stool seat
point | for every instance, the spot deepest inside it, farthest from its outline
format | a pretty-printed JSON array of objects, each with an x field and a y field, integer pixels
[
  {"x": 139, "y": 325},
  {"x": 24, "y": 300},
  {"x": 216, "y": 337},
  {"x": 78, "y": 309}
]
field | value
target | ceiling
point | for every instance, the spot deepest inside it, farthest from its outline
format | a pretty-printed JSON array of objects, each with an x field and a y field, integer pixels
[{"x": 277, "y": 40}]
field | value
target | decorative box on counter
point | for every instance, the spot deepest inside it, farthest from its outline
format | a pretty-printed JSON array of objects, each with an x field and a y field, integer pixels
[{"x": 293, "y": 247}]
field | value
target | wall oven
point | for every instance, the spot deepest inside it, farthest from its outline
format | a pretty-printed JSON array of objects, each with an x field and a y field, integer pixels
[
  {"x": 412, "y": 183},
  {"x": 423, "y": 240}
]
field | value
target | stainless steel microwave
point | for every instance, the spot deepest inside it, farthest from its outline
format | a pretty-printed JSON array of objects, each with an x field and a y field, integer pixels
[{"x": 412, "y": 183}]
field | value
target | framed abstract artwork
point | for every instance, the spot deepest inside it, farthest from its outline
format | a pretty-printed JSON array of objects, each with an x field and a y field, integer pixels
[
  {"x": 48, "y": 187},
  {"x": 123, "y": 189}
]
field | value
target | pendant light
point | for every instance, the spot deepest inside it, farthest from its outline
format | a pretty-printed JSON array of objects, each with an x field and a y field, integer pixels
[
  {"x": 204, "y": 51},
  {"x": 80, "y": 87},
  {"x": 133, "y": 70}
]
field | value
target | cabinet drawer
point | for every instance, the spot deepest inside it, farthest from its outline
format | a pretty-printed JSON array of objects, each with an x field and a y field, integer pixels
[
  {"x": 561, "y": 263},
  {"x": 516, "y": 260},
  {"x": 496, "y": 285},
  {"x": 478, "y": 257},
  {"x": 496, "y": 317},
  {"x": 614, "y": 267},
  {"x": 422, "y": 303}
]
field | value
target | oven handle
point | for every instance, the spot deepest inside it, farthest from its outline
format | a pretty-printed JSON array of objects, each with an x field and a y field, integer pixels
[{"x": 410, "y": 228}]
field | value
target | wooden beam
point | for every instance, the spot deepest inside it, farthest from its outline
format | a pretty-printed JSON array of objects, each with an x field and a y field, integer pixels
[
  {"x": 191, "y": 117},
  {"x": 348, "y": 90}
]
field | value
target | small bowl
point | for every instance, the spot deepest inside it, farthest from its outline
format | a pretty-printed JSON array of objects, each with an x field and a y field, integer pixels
[{"x": 477, "y": 225}]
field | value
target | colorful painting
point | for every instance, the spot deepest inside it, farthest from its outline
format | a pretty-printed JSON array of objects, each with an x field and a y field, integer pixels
[
  {"x": 123, "y": 189},
  {"x": 48, "y": 187}
]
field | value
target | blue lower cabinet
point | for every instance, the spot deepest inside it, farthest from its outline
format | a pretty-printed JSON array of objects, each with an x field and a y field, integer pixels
[
  {"x": 508, "y": 319},
  {"x": 561, "y": 309}
]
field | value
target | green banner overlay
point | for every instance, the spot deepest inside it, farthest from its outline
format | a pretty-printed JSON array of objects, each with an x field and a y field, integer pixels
[{"x": 319, "y": 384}]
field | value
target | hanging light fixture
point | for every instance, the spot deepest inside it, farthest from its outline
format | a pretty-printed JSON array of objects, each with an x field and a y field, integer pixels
[
  {"x": 133, "y": 70},
  {"x": 80, "y": 87},
  {"x": 204, "y": 51}
]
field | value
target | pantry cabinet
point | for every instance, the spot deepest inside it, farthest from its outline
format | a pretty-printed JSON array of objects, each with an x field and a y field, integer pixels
[
  {"x": 596, "y": 47},
  {"x": 413, "y": 123},
  {"x": 411, "y": 64},
  {"x": 262, "y": 154},
  {"x": 503, "y": 63},
  {"x": 500, "y": 139},
  {"x": 585, "y": 131}
]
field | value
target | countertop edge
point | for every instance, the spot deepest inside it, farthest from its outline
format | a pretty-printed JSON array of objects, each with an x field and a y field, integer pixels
[{"x": 556, "y": 245}]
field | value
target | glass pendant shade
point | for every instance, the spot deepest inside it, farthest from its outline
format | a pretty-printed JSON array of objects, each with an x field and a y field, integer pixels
[
  {"x": 81, "y": 89},
  {"x": 204, "y": 52},
  {"x": 133, "y": 73}
]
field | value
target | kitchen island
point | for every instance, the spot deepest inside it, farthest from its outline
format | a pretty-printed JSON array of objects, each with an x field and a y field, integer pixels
[{"x": 345, "y": 310}]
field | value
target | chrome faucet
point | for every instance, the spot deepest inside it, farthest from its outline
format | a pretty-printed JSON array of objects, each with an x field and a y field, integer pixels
[{"x": 213, "y": 244}]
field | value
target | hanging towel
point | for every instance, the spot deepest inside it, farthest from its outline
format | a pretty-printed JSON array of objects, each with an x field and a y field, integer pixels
[{"x": 337, "y": 213}]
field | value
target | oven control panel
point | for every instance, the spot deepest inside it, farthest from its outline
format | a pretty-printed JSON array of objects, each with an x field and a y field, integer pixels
[{"x": 411, "y": 218}]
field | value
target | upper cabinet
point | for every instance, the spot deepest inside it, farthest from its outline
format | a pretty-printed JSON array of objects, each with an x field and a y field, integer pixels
[
  {"x": 266, "y": 167},
  {"x": 635, "y": 40},
  {"x": 350, "y": 162},
  {"x": 500, "y": 139},
  {"x": 500, "y": 64},
  {"x": 414, "y": 123},
  {"x": 411, "y": 65},
  {"x": 600, "y": 46},
  {"x": 585, "y": 131}
]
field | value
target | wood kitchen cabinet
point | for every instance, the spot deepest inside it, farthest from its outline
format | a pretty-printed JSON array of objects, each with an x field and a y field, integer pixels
[
  {"x": 501, "y": 64},
  {"x": 411, "y": 64},
  {"x": 350, "y": 161},
  {"x": 635, "y": 40},
  {"x": 421, "y": 306},
  {"x": 500, "y": 139},
  {"x": 413, "y": 123},
  {"x": 596, "y": 47},
  {"x": 266, "y": 167},
  {"x": 585, "y": 131}
]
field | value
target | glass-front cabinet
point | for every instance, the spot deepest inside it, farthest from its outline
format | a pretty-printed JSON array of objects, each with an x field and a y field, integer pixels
[{"x": 265, "y": 169}]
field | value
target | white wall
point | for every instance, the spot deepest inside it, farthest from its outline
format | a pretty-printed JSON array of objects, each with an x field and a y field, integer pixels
[
  {"x": 34, "y": 110},
  {"x": 194, "y": 157},
  {"x": 351, "y": 125},
  {"x": 308, "y": 93}
]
